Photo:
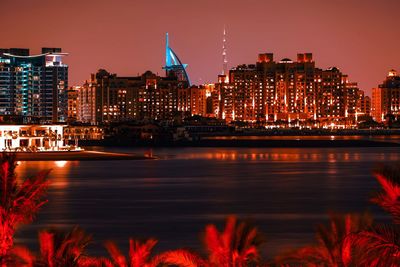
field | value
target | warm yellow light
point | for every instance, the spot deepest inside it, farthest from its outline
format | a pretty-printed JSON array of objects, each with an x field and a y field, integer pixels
[{"x": 61, "y": 163}]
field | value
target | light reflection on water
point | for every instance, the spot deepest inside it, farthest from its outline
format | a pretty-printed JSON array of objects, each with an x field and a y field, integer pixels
[{"x": 286, "y": 192}]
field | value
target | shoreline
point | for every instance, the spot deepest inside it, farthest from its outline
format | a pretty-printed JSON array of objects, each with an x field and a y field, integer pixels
[
  {"x": 273, "y": 143},
  {"x": 77, "y": 156},
  {"x": 291, "y": 143}
]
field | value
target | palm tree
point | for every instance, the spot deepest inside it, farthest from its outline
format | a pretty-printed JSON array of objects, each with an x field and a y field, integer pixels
[
  {"x": 140, "y": 255},
  {"x": 389, "y": 199},
  {"x": 379, "y": 246},
  {"x": 58, "y": 249},
  {"x": 181, "y": 258},
  {"x": 19, "y": 202},
  {"x": 236, "y": 246},
  {"x": 334, "y": 244},
  {"x": 381, "y": 243}
]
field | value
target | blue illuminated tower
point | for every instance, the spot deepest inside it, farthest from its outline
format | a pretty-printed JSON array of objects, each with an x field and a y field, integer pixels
[{"x": 173, "y": 65}]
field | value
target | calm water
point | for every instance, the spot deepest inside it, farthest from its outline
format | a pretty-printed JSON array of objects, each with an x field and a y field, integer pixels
[{"x": 286, "y": 192}]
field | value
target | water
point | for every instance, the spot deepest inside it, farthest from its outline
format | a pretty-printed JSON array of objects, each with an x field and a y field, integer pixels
[{"x": 285, "y": 192}]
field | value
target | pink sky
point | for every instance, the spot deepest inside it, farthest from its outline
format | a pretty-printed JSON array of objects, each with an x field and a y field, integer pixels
[{"x": 361, "y": 37}]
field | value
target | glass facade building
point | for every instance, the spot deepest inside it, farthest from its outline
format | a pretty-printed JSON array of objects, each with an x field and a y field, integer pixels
[{"x": 34, "y": 86}]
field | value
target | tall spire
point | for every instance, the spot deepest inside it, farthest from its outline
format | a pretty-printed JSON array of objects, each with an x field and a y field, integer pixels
[
  {"x": 167, "y": 53},
  {"x": 224, "y": 55}
]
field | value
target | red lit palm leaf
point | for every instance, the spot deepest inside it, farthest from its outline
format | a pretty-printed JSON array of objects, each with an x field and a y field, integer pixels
[
  {"x": 139, "y": 253},
  {"x": 140, "y": 256},
  {"x": 29, "y": 197},
  {"x": 235, "y": 246},
  {"x": 389, "y": 199},
  {"x": 117, "y": 256},
  {"x": 334, "y": 245},
  {"x": 58, "y": 249},
  {"x": 95, "y": 262},
  {"x": 19, "y": 202},
  {"x": 21, "y": 256},
  {"x": 180, "y": 258},
  {"x": 380, "y": 246}
]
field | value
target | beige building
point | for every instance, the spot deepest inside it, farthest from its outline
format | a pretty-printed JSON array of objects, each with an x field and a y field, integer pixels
[
  {"x": 32, "y": 138},
  {"x": 386, "y": 98},
  {"x": 86, "y": 103},
  {"x": 72, "y": 104},
  {"x": 286, "y": 90}
]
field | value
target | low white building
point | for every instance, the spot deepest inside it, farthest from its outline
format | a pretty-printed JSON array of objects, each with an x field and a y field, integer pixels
[{"x": 32, "y": 138}]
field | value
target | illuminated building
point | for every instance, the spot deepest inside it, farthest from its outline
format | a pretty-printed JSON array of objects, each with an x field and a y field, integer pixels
[
  {"x": 351, "y": 99},
  {"x": 73, "y": 107},
  {"x": 109, "y": 98},
  {"x": 363, "y": 104},
  {"x": 174, "y": 67},
  {"x": 386, "y": 98},
  {"x": 83, "y": 132},
  {"x": 287, "y": 90},
  {"x": 33, "y": 86},
  {"x": 142, "y": 97},
  {"x": 86, "y": 103},
  {"x": 32, "y": 138},
  {"x": 198, "y": 99}
]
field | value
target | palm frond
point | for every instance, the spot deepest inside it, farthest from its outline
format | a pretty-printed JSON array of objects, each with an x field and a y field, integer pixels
[
  {"x": 379, "y": 245},
  {"x": 334, "y": 248},
  {"x": 236, "y": 245},
  {"x": 139, "y": 252},
  {"x": 22, "y": 256},
  {"x": 118, "y": 258},
  {"x": 388, "y": 177},
  {"x": 180, "y": 258},
  {"x": 19, "y": 202}
]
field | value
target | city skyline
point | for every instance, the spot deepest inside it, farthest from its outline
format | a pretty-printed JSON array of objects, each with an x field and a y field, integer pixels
[{"x": 123, "y": 40}]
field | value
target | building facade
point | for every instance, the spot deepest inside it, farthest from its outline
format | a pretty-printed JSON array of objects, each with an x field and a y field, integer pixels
[
  {"x": 386, "y": 98},
  {"x": 34, "y": 86},
  {"x": 108, "y": 98},
  {"x": 287, "y": 90},
  {"x": 73, "y": 104},
  {"x": 33, "y": 138}
]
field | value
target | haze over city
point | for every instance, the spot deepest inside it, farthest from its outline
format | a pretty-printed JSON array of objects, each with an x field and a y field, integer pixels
[{"x": 127, "y": 37}]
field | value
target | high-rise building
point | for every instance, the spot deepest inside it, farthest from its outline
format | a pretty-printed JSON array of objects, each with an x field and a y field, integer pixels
[
  {"x": 386, "y": 98},
  {"x": 363, "y": 105},
  {"x": 73, "y": 105},
  {"x": 137, "y": 98},
  {"x": 33, "y": 86},
  {"x": 87, "y": 102},
  {"x": 109, "y": 98},
  {"x": 286, "y": 90},
  {"x": 198, "y": 100}
]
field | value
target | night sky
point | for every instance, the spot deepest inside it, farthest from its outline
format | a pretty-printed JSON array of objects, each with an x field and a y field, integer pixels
[{"x": 361, "y": 37}]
